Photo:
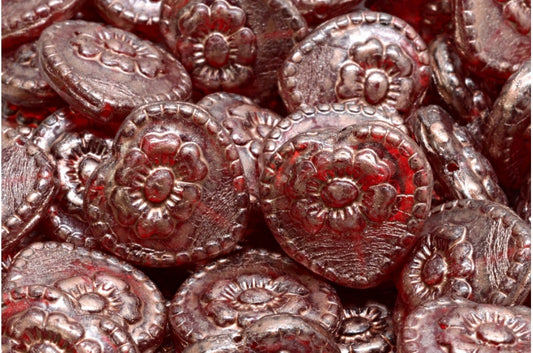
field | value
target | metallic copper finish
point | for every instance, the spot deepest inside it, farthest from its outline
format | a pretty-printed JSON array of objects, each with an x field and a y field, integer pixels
[
  {"x": 232, "y": 45},
  {"x": 508, "y": 130},
  {"x": 173, "y": 190},
  {"x": 215, "y": 344},
  {"x": 458, "y": 325},
  {"x": 335, "y": 115},
  {"x": 23, "y": 21},
  {"x": 493, "y": 37},
  {"x": 371, "y": 58},
  {"x": 77, "y": 154},
  {"x": 475, "y": 249},
  {"x": 77, "y": 144},
  {"x": 455, "y": 85},
  {"x": 463, "y": 172},
  {"x": 137, "y": 16},
  {"x": 43, "y": 319},
  {"x": 348, "y": 204},
  {"x": 22, "y": 82},
  {"x": 28, "y": 186},
  {"x": 105, "y": 72},
  {"x": 231, "y": 294},
  {"x": 318, "y": 11},
  {"x": 287, "y": 333},
  {"x": 248, "y": 125},
  {"x": 98, "y": 283},
  {"x": 366, "y": 329}
]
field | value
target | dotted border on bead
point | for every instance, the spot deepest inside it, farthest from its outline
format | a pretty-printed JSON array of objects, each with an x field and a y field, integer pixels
[
  {"x": 292, "y": 98},
  {"x": 376, "y": 132},
  {"x": 162, "y": 258},
  {"x": 180, "y": 323},
  {"x": 44, "y": 189},
  {"x": 520, "y": 232},
  {"x": 154, "y": 330},
  {"x": 56, "y": 69}
]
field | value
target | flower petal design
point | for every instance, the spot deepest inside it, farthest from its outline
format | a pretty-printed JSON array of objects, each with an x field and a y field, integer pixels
[
  {"x": 369, "y": 169},
  {"x": 222, "y": 314},
  {"x": 155, "y": 223},
  {"x": 132, "y": 169},
  {"x": 225, "y": 18},
  {"x": 190, "y": 165},
  {"x": 369, "y": 54},
  {"x": 243, "y": 46},
  {"x": 303, "y": 181},
  {"x": 343, "y": 162},
  {"x": 458, "y": 287},
  {"x": 130, "y": 304},
  {"x": 183, "y": 201},
  {"x": 127, "y": 64},
  {"x": 127, "y": 205},
  {"x": 323, "y": 162},
  {"x": 379, "y": 201},
  {"x": 195, "y": 23},
  {"x": 209, "y": 77},
  {"x": 235, "y": 75},
  {"x": 88, "y": 46},
  {"x": 75, "y": 285},
  {"x": 160, "y": 148},
  {"x": 191, "y": 53},
  {"x": 310, "y": 214},
  {"x": 351, "y": 82},
  {"x": 110, "y": 59},
  {"x": 396, "y": 63},
  {"x": 401, "y": 91},
  {"x": 347, "y": 219},
  {"x": 150, "y": 67},
  {"x": 461, "y": 262}
]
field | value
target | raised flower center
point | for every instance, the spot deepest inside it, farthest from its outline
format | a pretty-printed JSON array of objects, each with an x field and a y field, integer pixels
[
  {"x": 339, "y": 193},
  {"x": 376, "y": 87},
  {"x": 495, "y": 334},
  {"x": 87, "y": 167},
  {"x": 216, "y": 50},
  {"x": 255, "y": 296},
  {"x": 120, "y": 47},
  {"x": 92, "y": 302},
  {"x": 433, "y": 270},
  {"x": 355, "y": 326},
  {"x": 158, "y": 185}
]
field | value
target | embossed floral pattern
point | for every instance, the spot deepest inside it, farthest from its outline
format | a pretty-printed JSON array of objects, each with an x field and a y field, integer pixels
[
  {"x": 103, "y": 294},
  {"x": 484, "y": 330},
  {"x": 249, "y": 126},
  {"x": 368, "y": 326},
  {"x": 119, "y": 51},
  {"x": 215, "y": 46},
  {"x": 519, "y": 13},
  {"x": 157, "y": 185},
  {"x": 342, "y": 189},
  {"x": 35, "y": 330},
  {"x": 442, "y": 265},
  {"x": 249, "y": 297},
  {"x": 377, "y": 75},
  {"x": 77, "y": 156}
]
